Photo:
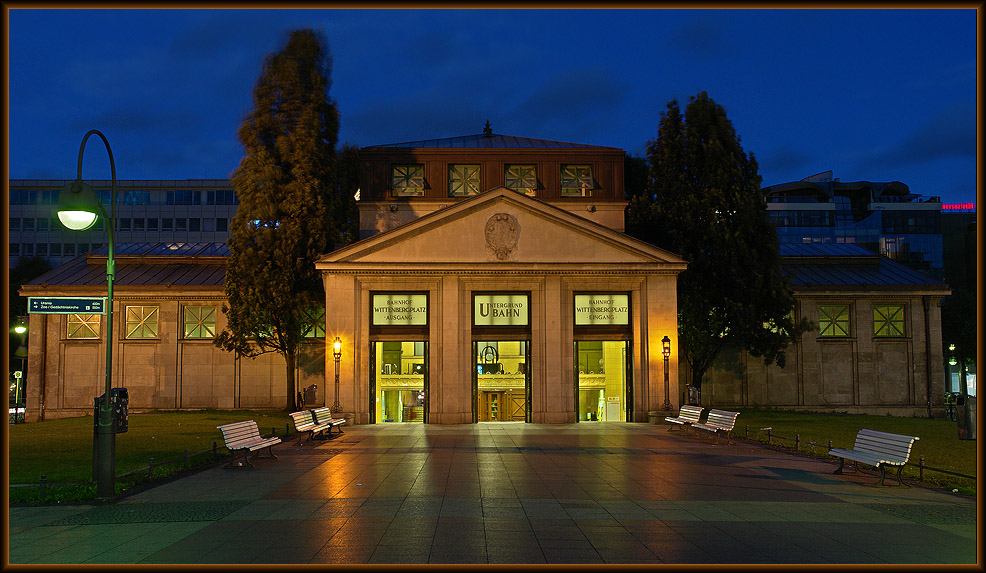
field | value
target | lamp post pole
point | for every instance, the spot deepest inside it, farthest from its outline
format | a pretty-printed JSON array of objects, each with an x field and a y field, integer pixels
[
  {"x": 20, "y": 375},
  {"x": 337, "y": 354},
  {"x": 666, "y": 351},
  {"x": 104, "y": 450}
]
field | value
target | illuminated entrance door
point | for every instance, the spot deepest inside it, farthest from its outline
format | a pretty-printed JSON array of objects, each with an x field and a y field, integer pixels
[
  {"x": 501, "y": 382},
  {"x": 399, "y": 385},
  {"x": 603, "y": 386}
]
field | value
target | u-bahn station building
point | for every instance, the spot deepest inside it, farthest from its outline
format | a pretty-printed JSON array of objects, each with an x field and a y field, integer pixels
[{"x": 492, "y": 282}]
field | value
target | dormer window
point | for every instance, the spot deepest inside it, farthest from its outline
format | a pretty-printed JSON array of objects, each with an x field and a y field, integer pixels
[
  {"x": 576, "y": 180},
  {"x": 463, "y": 180},
  {"x": 521, "y": 178},
  {"x": 408, "y": 180}
]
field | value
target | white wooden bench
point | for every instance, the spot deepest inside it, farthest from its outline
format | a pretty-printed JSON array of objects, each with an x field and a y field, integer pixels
[
  {"x": 304, "y": 423},
  {"x": 877, "y": 449},
  {"x": 686, "y": 417},
  {"x": 719, "y": 422},
  {"x": 324, "y": 416},
  {"x": 245, "y": 436}
]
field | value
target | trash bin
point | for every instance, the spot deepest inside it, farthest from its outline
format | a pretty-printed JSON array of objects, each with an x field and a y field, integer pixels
[
  {"x": 652, "y": 417},
  {"x": 119, "y": 400},
  {"x": 965, "y": 416},
  {"x": 309, "y": 397},
  {"x": 694, "y": 395}
]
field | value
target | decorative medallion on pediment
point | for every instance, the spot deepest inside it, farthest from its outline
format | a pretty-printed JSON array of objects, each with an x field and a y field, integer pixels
[{"x": 502, "y": 232}]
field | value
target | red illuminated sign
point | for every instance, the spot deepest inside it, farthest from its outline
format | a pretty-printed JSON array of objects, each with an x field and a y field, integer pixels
[{"x": 957, "y": 206}]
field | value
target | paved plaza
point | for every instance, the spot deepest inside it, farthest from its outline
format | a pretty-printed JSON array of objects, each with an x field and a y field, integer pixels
[{"x": 511, "y": 493}]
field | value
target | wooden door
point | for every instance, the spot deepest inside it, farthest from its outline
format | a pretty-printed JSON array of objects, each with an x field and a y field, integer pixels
[
  {"x": 494, "y": 406},
  {"x": 516, "y": 407}
]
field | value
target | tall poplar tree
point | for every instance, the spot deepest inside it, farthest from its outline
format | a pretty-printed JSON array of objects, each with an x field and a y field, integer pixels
[
  {"x": 286, "y": 217},
  {"x": 706, "y": 205}
]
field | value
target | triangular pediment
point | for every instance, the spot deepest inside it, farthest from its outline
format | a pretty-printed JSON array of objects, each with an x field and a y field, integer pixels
[{"x": 501, "y": 226}]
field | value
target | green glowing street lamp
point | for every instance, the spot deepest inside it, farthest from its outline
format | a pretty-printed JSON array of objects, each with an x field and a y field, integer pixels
[{"x": 78, "y": 209}]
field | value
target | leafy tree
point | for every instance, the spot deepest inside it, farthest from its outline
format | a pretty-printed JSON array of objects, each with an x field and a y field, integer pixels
[
  {"x": 288, "y": 210},
  {"x": 26, "y": 269},
  {"x": 634, "y": 176},
  {"x": 959, "y": 328},
  {"x": 347, "y": 184},
  {"x": 706, "y": 205}
]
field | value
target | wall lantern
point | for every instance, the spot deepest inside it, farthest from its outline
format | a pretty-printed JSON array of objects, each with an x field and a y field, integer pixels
[
  {"x": 337, "y": 354},
  {"x": 666, "y": 351}
]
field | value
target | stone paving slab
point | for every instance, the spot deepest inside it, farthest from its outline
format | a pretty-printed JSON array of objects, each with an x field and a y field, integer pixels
[{"x": 511, "y": 493}]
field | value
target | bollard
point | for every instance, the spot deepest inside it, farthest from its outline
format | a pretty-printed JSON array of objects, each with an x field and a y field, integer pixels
[
  {"x": 150, "y": 468},
  {"x": 186, "y": 459},
  {"x": 921, "y": 467},
  {"x": 44, "y": 485},
  {"x": 768, "y": 436},
  {"x": 830, "y": 444},
  {"x": 215, "y": 455},
  {"x": 797, "y": 441},
  {"x": 748, "y": 431},
  {"x": 286, "y": 432},
  {"x": 273, "y": 431}
]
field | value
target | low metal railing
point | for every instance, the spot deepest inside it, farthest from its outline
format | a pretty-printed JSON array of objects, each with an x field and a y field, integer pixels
[
  {"x": 185, "y": 459},
  {"x": 920, "y": 465},
  {"x": 44, "y": 484}
]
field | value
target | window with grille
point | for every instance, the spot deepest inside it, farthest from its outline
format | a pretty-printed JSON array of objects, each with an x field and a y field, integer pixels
[
  {"x": 576, "y": 180},
  {"x": 200, "y": 321},
  {"x": 888, "y": 320},
  {"x": 317, "y": 330},
  {"x": 408, "y": 180},
  {"x": 833, "y": 320},
  {"x": 83, "y": 326},
  {"x": 463, "y": 180},
  {"x": 142, "y": 322},
  {"x": 521, "y": 178}
]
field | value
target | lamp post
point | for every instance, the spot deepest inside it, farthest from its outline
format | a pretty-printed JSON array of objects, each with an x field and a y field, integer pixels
[
  {"x": 78, "y": 209},
  {"x": 337, "y": 354},
  {"x": 666, "y": 351},
  {"x": 21, "y": 330}
]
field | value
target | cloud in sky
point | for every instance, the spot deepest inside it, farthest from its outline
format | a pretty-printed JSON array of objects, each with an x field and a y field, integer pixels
[
  {"x": 948, "y": 133},
  {"x": 706, "y": 36},
  {"x": 570, "y": 96},
  {"x": 806, "y": 90}
]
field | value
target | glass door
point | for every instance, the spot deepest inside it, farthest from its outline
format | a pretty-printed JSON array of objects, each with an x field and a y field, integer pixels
[
  {"x": 399, "y": 385},
  {"x": 602, "y": 392},
  {"x": 501, "y": 381}
]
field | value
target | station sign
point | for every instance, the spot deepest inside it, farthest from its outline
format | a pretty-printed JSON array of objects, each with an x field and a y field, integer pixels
[
  {"x": 602, "y": 309},
  {"x": 400, "y": 309},
  {"x": 66, "y": 305},
  {"x": 501, "y": 310}
]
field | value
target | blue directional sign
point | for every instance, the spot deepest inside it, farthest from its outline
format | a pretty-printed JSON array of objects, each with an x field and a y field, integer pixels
[{"x": 66, "y": 305}]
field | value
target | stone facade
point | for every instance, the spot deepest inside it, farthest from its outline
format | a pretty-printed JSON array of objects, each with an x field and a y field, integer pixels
[
  {"x": 163, "y": 372},
  {"x": 448, "y": 255},
  {"x": 861, "y": 373}
]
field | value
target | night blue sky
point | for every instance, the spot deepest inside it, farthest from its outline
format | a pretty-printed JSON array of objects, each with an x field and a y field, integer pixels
[{"x": 877, "y": 95}]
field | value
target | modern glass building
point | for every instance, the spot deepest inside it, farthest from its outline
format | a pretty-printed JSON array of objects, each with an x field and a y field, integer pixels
[
  {"x": 148, "y": 211},
  {"x": 885, "y": 218}
]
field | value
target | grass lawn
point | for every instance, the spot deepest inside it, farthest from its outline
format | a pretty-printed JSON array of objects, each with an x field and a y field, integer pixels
[
  {"x": 62, "y": 449},
  {"x": 939, "y": 442}
]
